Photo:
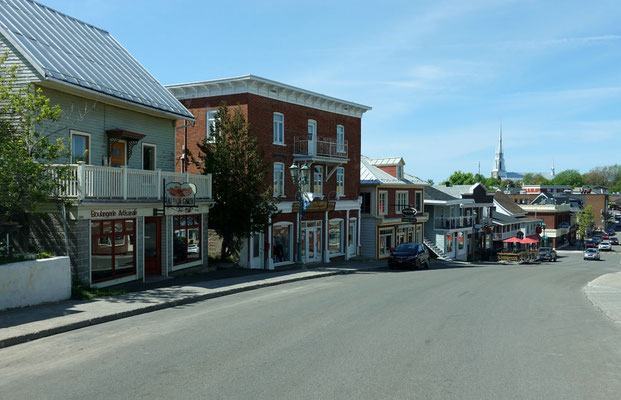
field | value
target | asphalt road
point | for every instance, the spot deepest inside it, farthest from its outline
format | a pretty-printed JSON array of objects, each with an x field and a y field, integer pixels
[{"x": 462, "y": 332}]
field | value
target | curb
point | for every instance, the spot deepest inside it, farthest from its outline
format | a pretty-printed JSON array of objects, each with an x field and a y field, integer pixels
[{"x": 155, "y": 307}]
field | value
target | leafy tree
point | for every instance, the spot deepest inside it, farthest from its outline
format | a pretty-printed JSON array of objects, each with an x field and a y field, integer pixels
[
  {"x": 243, "y": 199},
  {"x": 491, "y": 183},
  {"x": 585, "y": 221},
  {"x": 478, "y": 178},
  {"x": 509, "y": 183},
  {"x": 430, "y": 181},
  {"x": 569, "y": 177},
  {"x": 461, "y": 178},
  {"x": 25, "y": 151}
]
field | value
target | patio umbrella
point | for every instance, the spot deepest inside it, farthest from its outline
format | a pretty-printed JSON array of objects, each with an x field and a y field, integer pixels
[
  {"x": 529, "y": 241},
  {"x": 512, "y": 240}
]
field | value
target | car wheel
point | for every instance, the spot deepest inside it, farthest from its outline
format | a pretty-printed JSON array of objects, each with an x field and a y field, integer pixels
[{"x": 417, "y": 264}]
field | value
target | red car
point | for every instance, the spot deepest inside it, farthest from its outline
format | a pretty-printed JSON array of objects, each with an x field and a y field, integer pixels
[{"x": 590, "y": 244}]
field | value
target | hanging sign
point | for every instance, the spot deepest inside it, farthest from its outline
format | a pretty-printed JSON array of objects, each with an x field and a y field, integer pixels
[{"x": 180, "y": 194}]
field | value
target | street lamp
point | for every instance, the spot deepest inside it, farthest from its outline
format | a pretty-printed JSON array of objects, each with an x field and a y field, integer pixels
[{"x": 300, "y": 179}]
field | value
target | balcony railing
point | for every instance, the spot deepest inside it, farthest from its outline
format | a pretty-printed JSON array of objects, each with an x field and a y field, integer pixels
[
  {"x": 324, "y": 147},
  {"x": 497, "y": 236},
  {"x": 453, "y": 222},
  {"x": 91, "y": 182}
]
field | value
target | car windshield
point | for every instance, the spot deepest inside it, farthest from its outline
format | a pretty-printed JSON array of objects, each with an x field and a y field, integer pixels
[
  {"x": 407, "y": 247},
  {"x": 590, "y": 251},
  {"x": 544, "y": 249}
]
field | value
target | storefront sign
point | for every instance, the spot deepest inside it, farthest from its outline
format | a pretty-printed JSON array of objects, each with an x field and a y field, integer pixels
[
  {"x": 409, "y": 211},
  {"x": 119, "y": 213},
  {"x": 316, "y": 205},
  {"x": 180, "y": 194},
  {"x": 408, "y": 219}
]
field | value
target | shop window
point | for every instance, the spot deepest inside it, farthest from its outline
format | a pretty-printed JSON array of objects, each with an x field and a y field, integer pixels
[
  {"x": 186, "y": 239},
  {"x": 386, "y": 244},
  {"x": 419, "y": 233},
  {"x": 282, "y": 239},
  {"x": 460, "y": 240},
  {"x": 113, "y": 252},
  {"x": 335, "y": 237},
  {"x": 449, "y": 242}
]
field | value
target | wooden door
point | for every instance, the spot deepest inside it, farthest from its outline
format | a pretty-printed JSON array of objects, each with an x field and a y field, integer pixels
[
  {"x": 117, "y": 158},
  {"x": 152, "y": 246}
]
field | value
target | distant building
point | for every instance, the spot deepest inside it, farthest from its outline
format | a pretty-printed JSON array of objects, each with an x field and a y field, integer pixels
[{"x": 500, "y": 169}]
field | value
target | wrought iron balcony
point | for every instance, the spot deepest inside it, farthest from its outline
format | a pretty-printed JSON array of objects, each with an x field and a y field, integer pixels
[{"x": 322, "y": 147}]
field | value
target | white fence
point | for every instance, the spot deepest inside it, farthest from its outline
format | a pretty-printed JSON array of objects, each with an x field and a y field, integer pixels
[{"x": 100, "y": 183}]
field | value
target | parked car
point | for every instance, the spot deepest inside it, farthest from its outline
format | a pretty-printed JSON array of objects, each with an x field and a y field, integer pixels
[
  {"x": 614, "y": 240},
  {"x": 590, "y": 244},
  {"x": 596, "y": 239},
  {"x": 547, "y": 253},
  {"x": 409, "y": 255},
  {"x": 605, "y": 245},
  {"x": 611, "y": 232},
  {"x": 591, "y": 254}
]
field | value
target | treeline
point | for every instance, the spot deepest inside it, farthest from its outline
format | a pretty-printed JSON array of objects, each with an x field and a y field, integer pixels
[{"x": 609, "y": 176}]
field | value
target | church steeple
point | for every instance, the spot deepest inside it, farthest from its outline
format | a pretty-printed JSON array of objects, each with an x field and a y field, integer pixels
[{"x": 499, "y": 170}]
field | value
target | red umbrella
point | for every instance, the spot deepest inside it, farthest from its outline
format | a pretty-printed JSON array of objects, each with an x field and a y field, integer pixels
[
  {"x": 512, "y": 240},
  {"x": 529, "y": 240}
]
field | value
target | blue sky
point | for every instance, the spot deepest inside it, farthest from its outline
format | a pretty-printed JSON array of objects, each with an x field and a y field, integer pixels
[{"x": 440, "y": 75}]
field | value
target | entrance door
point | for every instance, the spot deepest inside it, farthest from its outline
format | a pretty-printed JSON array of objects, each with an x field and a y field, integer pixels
[
  {"x": 152, "y": 246},
  {"x": 351, "y": 240},
  {"x": 312, "y": 137},
  {"x": 117, "y": 158},
  {"x": 257, "y": 250},
  {"x": 311, "y": 241}
]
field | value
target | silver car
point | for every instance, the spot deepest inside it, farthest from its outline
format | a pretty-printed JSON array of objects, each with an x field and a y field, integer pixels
[
  {"x": 547, "y": 253},
  {"x": 591, "y": 254},
  {"x": 605, "y": 245}
]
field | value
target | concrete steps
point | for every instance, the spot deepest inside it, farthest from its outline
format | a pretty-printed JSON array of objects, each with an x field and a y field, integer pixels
[{"x": 436, "y": 250}]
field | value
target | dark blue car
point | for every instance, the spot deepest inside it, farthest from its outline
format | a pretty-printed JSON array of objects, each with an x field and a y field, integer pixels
[{"x": 409, "y": 255}]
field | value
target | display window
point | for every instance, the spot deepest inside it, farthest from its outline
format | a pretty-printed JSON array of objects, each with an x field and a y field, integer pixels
[
  {"x": 113, "y": 249},
  {"x": 386, "y": 237},
  {"x": 449, "y": 242},
  {"x": 186, "y": 239},
  {"x": 282, "y": 238},
  {"x": 335, "y": 237}
]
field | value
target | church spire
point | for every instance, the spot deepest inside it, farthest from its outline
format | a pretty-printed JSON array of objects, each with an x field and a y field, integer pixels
[{"x": 499, "y": 170}]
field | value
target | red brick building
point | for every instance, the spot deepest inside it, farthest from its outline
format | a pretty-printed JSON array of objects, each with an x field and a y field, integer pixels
[{"x": 293, "y": 126}]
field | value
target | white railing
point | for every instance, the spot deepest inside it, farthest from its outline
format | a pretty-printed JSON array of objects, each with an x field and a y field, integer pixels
[
  {"x": 453, "y": 222},
  {"x": 88, "y": 182}
]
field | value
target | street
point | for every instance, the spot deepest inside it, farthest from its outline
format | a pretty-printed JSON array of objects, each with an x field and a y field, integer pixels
[{"x": 452, "y": 332}]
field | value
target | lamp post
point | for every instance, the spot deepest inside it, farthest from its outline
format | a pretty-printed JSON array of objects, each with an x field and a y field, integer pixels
[{"x": 300, "y": 179}]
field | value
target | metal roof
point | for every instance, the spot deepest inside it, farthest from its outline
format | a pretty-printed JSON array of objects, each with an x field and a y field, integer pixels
[
  {"x": 371, "y": 175},
  {"x": 388, "y": 161},
  {"x": 66, "y": 50}
]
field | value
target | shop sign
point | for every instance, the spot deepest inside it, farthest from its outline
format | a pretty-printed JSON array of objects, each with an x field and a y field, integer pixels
[
  {"x": 408, "y": 219},
  {"x": 409, "y": 211},
  {"x": 180, "y": 194},
  {"x": 316, "y": 205},
  {"x": 118, "y": 213}
]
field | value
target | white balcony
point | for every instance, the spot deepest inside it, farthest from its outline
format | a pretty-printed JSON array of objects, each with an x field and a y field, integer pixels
[
  {"x": 447, "y": 223},
  {"x": 90, "y": 182}
]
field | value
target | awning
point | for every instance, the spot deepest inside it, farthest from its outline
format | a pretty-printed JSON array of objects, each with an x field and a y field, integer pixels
[{"x": 132, "y": 138}]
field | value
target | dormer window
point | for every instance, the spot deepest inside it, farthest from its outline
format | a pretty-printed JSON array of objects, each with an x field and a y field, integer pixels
[{"x": 399, "y": 171}]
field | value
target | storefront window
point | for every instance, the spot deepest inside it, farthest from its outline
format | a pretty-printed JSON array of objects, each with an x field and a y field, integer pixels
[
  {"x": 449, "y": 242},
  {"x": 281, "y": 242},
  {"x": 404, "y": 235},
  {"x": 419, "y": 233},
  {"x": 460, "y": 240},
  {"x": 335, "y": 237},
  {"x": 113, "y": 254},
  {"x": 186, "y": 239},
  {"x": 386, "y": 242}
]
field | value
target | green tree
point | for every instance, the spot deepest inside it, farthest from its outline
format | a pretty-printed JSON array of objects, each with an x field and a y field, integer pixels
[
  {"x": 430, "y": 181},
  {"x": 243, "y": 198},
  {"x": 478, "y": 178},
  {"x": 569, "y": 177},
  {"x": 461, "y": 178},
  {"x": 25, "y": 151},
  {"x": 585, "y": 221},
  {"x": 491, "y": 183}
]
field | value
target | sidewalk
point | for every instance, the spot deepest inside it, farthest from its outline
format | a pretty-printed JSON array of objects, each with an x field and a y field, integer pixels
[
  {"x": 605, "y": 294},
  {"x": 29, "y": 323}
]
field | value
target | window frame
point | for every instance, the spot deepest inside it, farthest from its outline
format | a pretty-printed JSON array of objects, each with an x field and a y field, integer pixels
[
  {"x": 382, "y": 206},
  {"x": 418, "y": 201},
  {"x": 341, "y": 223},
  {"x": 279, "y": 186},
  {"x": 398, "y": 206},
  {"x": 154, "y": 156},
  {"x": 97, "y": 236},
  {"x": 208, "y": 136},
  {"x": 275, "y": 139},
  {"x": 316, "y": 181},
  {"x": 291, "y": 243},
  {"x": 399, "y": 171},
  {"x": 365, "y": 207},
  {"x": 340, "y": 139},
  {"x": 88, "y": 145},
  {"x": 340, "y": 183}
]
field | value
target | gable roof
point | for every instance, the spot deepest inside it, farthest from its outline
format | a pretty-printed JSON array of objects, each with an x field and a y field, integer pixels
[
  {"x": 371, "y": 175},
  {"x": 507, "y": 203},
  {"x": 458, "y": 190},
  {"x": 73, "y": 53}
]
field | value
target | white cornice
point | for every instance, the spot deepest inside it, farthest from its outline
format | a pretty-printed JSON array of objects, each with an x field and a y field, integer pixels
[{"x": 266, "y": 88}]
